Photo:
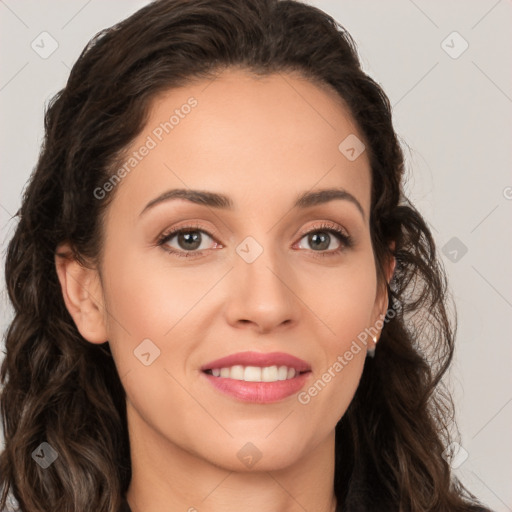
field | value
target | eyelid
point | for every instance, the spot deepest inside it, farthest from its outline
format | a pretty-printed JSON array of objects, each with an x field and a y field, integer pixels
[
  {"x": 187, "y": 226},
  {"x": 346, "y": 240},
  {"x": 325, "y": 225}
]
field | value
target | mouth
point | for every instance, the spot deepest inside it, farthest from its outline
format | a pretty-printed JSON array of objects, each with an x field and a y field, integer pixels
[
  {"x": 256, "y": 377},
  {"x": 257, "y": 366},
  {"x": 256, "y": 373}
]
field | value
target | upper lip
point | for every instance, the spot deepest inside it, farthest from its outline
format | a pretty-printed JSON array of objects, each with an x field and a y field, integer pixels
[{"x": 259, "y": 359}]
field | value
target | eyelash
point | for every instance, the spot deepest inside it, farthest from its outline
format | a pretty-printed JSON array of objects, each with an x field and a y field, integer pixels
[{"x": 346, "y": 240}]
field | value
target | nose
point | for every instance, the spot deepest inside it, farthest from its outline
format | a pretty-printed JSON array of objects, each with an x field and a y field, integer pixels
[{"x": 262, "y": 296}]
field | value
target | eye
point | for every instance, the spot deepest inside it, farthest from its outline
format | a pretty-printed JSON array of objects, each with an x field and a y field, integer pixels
[
  {"x": 187, "y": 241},
  {"x": 191, "y": 241},
  {"x": 327, "y": 239}
]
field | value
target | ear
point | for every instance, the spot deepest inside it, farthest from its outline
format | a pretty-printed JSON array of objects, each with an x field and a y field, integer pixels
[
  {"x": 390, "y": 270},
  {"x": 382, "y": 300},
  {"x": 82, "y": 294}
]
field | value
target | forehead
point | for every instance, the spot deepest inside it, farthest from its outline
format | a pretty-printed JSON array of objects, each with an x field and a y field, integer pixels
[{"x": 251, "y": 137}]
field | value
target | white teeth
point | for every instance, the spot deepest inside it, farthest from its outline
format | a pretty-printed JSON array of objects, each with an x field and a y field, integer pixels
[
  {"x": 256, "y": 373},
  {"x": 252, "y": 374},
  {"x": 282, "y": 373},
  {"x": 237, "y": 372},
  {"x": 269, "y": 374}
]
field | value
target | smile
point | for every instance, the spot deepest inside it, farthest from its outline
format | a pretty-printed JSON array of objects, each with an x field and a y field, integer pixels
[
  {"x": 255, "y": 373},
  {"x": 258, "y": 377}
]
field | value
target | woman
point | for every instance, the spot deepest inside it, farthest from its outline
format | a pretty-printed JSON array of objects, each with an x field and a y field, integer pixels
[{"x": 223, "y": 299}]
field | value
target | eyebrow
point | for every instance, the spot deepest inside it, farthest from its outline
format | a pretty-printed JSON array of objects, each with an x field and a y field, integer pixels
[{"x": 221, "y": 201}]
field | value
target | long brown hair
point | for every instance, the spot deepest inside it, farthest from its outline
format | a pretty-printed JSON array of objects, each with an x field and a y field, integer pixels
[{"x": 60, "y": 389}]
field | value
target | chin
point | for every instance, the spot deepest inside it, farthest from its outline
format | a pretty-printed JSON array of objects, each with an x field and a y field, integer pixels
[{"x": 252, "y": 454}]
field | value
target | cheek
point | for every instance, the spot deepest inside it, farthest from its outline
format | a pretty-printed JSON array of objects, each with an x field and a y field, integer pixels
[
  {"x": 345, "y": 312},
  {"x": 342, "y": 299},
  {"x": 151, "y": 302},
  {"x": 148, "y": 300}
]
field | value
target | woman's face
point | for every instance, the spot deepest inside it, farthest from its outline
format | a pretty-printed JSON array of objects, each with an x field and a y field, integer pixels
[{"x": 245, "y": 277}]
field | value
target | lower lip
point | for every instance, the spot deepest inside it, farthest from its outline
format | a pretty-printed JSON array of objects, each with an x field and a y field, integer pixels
[{"x": 259, "y": 392}]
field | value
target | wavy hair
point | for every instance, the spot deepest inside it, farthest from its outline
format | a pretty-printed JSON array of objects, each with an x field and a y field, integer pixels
[{"x": 61, "y": 389}]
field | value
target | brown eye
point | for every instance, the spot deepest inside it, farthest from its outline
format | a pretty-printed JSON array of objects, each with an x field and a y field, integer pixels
[
  {"x": 320, "y": 240},
  {"x": 187, "y": 240}
]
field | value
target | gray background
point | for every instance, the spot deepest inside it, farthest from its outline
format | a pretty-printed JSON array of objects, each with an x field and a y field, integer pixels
[{"x": 454, "y": 114}]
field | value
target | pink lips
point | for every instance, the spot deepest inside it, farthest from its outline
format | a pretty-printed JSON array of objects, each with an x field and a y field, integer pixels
[
  {"x": 259, "y": 359},
  {"x": 259, "y": 392}
]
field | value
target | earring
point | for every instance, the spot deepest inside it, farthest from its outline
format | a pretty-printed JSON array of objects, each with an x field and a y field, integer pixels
[{"x": 371, "y": 351}]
